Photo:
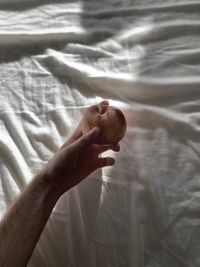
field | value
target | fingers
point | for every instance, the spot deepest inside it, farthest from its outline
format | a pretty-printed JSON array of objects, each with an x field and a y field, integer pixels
[
  {"x": 89, "y": 138},
  {"x": 104, "y": 102},
  {"x": 76, "y": 135},
  {"x": 104, "y": 148},
  {"x": 104, "y": 162},
  {"x": 103, "y": 106}
]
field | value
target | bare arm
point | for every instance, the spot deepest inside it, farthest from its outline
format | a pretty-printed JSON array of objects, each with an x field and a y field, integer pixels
[
  {"x": 23, "y": 224},
  {"x": 21, "y": 227}
]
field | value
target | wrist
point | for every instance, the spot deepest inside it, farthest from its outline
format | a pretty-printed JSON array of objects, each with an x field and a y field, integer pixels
[{"x": 48, "y": 187}]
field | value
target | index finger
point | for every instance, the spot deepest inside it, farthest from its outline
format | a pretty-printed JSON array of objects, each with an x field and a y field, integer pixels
[{"x": 89, "y": 138}]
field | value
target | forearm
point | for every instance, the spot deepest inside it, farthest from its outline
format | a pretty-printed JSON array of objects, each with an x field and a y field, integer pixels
[{"x": 22, "y": 226}]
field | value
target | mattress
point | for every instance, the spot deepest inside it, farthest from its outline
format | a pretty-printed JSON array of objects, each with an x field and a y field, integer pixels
[{"x": 59, "y": 57}]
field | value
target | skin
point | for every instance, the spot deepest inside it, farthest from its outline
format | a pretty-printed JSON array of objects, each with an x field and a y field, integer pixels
[{"x": 24, "y": 222}]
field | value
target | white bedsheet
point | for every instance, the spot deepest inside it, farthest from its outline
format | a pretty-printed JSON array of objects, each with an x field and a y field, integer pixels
[{"x": 57, "y": 58}]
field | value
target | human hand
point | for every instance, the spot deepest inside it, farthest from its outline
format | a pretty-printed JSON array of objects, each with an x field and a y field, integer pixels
[{"x": 78, "y": 158}]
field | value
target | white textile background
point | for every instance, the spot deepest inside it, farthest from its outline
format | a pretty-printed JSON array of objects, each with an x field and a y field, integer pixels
[{"x": 59, "y": 57}]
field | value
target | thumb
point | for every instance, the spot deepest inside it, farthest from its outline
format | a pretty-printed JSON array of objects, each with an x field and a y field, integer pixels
[
  {"x": 87, "y": 139},
  {"x": 76, "y": 135}
]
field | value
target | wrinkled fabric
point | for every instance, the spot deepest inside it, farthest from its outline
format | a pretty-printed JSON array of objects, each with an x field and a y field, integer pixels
[{"x": 59, "y": 57}]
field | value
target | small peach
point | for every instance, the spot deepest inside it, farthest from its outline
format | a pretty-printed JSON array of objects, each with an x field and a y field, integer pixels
[{"x": 110, "y": 120}]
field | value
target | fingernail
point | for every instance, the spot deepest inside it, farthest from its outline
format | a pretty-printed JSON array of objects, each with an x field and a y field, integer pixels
[
  {"x": 104, "y": 102},
  {"x": 116, "y": 148},
  {"x": 110, "y": 161}
]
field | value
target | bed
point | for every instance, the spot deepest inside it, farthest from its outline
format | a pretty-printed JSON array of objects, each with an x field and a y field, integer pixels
[{"x": 59, "y": 57}]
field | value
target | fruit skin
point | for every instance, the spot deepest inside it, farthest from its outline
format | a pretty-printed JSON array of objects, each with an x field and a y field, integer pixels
[{"x": 110, "y": 120}]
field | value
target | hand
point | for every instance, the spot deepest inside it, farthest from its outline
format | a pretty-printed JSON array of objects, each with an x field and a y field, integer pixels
[{"x": 77, "y": 158}]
